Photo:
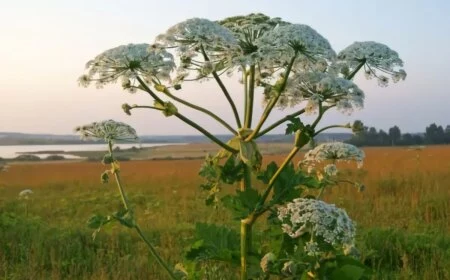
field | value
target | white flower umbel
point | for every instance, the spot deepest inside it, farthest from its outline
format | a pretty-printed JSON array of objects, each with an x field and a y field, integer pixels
[
  {"x": 125, "y": 63},
  {"x": 378, "y": 60},
  {"x": 335, "y": 151},
  {"x": 109, "y": 131},
  {"x": 192, "y": 33},
  {"x": 192, "y": 40},
  {"x": 25, "y": 194},
  {"x": 325, "y": 87},
  {"x": 283, "y": 42},
  {"x": 324, "y": 222}
]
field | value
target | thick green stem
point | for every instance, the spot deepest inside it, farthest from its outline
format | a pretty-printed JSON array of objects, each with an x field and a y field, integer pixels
[
  {"x": 186, "y": 120},
  {"x": 351, "y": 75},
  {"x": 272, "y": 181},
  {"x": 246, "y": 227},
  {"x": 244, "y": 246},
  {"x": 206, "y": 133},
  {"x": 250, "y": 98},
  {"x": 201, "y": 109},
  {"x": 279, "y": 122},
  {"x": 273, "y": 101},
  {"x": 126, "y": 205}
]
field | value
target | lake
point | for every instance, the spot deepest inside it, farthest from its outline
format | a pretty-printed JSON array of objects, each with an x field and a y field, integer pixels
[{"x": 15, "y": 150}]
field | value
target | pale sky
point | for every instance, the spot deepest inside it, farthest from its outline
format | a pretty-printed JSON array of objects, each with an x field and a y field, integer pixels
[{"x": 44, "y": 46}]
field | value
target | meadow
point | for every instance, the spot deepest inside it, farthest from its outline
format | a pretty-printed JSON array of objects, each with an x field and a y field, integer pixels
[{"x": 403, "y": 216}]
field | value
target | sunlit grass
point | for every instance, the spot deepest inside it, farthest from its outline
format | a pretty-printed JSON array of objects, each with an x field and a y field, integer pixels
[{"x": 403, "y": 216}]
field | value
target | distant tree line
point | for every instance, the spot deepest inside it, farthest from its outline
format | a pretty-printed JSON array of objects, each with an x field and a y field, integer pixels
[{"x": 370, "y": 136}]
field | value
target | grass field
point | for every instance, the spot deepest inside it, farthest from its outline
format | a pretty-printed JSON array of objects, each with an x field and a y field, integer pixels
[{"x": 403, "y": 216}]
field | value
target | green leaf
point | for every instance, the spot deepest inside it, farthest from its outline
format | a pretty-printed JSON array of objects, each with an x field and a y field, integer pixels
[
  {"x": 232, "y": 171},
  {"x": 97, "y": 221},
  {"x": 213, "y": 242},
  {"x": 105, "y": 177},
  {"x": 250, "y": 154},
  {"x": 125, "y": 217},
  {"x": 287, "y": 186},
  {"x": 233, "y": 143},
  {"x": 243, "y": 203},
  {"x": 347, "y": 272},
  {"x": 293, "y": 125}
]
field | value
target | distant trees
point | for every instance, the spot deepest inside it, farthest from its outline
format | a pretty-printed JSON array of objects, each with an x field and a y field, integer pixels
[
  {"x": 395, "y": 135},
  {"x": 370, "y": 136}
]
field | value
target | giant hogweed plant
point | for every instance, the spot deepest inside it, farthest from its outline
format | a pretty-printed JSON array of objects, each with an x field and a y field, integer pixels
[{"x": 290, "y": 65}]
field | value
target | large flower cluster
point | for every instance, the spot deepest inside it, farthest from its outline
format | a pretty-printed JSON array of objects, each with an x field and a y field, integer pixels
[
  {"x": 315, "y": 87},
  {"x": 334, "y": 151},
  {"x": 283, "y": 42},
  {"x": 126, "y": 62},
  {"x": 202, "y": 45},
  {"x": 378, "y": 60},
  {"x": 324, "y": 222},
  {"x": 108, "y": 130}
]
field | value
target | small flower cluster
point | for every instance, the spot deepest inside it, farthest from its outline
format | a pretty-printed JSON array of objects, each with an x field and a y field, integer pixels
[
  {"x": 330, "y": 170},
  {"x": 324, "y": 222},
  {"x": 25, "y": 194},
  {"x": 127, "y": 62},
  {"x": 109, "y": 131},
  {"x": 335, "y": 151},
  {"x": 315, "y": 87},
  {"x": 376, "y": 57}
]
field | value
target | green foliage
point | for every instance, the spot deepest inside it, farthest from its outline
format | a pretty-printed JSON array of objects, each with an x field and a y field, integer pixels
[
  {"x": 243, "y": 203},
  {"x": 213, "y": 242},
  {"x": 97, "y": 221},
  {"x": 125, "y": 217},
  {"x": 288, "y": 184},
  {"x": 105, "y": 177},
  {"x": 293, "y": 125},
  {"x": 216, "y": 174},
  {"x": 250, "y": 154}
]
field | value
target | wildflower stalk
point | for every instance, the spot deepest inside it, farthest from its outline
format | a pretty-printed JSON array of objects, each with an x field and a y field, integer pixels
[
  {"x": 269, "y": 187},
  {"x": 201, "y": 109},
  {"x": 273, "y": 101},
  {"x": 127, "y": 207},
  {"x": 329, "y": 127},
  {"x": 246, "y": 228},
  {"x": 224, "y": 90},
  {"x": 250, "y": 97},
  {"x": 279, "y": 122},
  {"x": 186, "y": 120},
  {"x": 353, "y": 73}
]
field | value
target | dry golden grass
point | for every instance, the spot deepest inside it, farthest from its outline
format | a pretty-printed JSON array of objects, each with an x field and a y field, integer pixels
[{"x": 407, "y": 189}]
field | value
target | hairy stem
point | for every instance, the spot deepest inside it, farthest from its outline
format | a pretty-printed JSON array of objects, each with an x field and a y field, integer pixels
[
  {"x": 246, "y": 228},
  {"x": 272, "y": 181},
  {"x": 329, "y": 127},
  {"x": 126, "y": 205},
  {"x": 201, "y": 109},
  {"x": 250, "y": 98},
  {"x": 279, "y": 122},
  {"x": 186, "y": 120},
  {"x": 353, "y": 73},
  {"x": 273, "y": 101},
  {"x": 224, "y": 90}
]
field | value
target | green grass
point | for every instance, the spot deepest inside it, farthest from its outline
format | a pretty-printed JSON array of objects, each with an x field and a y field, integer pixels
[{"x": 403, "y": 221}]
